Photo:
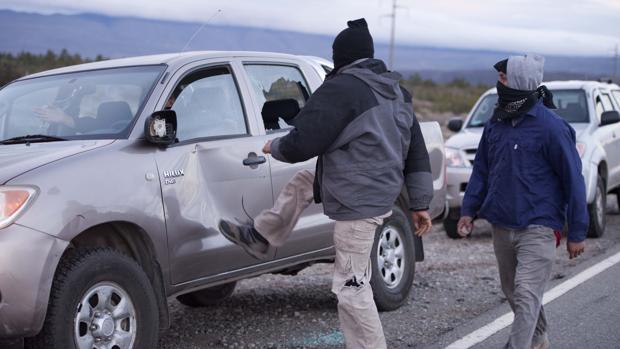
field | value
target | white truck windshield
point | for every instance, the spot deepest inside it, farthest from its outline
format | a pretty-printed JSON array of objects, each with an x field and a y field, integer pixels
[
  {"x": 572, "y": 106},
  {"x": 84, "y": 105}
]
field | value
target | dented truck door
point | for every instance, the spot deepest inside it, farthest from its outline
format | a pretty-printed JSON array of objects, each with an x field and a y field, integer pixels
[{"x": 216, "y": 171}]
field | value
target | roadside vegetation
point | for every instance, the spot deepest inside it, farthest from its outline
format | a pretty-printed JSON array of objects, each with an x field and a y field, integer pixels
[
  {"x": 455, "y": 97},
  {"x": 13, "y": 66}
]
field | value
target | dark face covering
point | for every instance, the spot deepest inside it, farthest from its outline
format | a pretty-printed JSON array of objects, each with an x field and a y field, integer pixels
[{"x": 513, "y": 104}]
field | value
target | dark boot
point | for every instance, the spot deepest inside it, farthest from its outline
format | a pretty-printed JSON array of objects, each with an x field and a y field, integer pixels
[{"x": 248, "y": 238}]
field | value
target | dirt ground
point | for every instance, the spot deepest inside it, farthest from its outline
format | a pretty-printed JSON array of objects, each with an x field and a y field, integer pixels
[{"x": 457, "y": 282}]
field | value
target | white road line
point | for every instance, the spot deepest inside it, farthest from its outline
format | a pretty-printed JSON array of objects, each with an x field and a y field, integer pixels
[{"x": 479, "y": 335}]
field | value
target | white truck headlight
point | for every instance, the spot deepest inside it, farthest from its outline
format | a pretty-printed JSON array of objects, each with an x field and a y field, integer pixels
[
  {"x": 13, "y": 201},
  {"x": 454, "y": 158}
]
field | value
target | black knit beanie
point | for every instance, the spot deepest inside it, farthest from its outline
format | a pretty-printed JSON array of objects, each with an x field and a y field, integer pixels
[{"x": 352, "y": 44}]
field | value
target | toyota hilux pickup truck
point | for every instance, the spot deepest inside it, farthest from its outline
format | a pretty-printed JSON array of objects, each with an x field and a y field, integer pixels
[
  {"x": 591, "y": 108},
  {"x": 115, "y": 174}
]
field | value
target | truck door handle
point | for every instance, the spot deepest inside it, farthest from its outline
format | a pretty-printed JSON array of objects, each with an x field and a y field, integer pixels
[{"x": 254, "y": 160}]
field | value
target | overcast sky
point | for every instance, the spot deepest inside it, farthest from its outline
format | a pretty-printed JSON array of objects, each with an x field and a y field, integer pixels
[{"x": 581, "y": 27}]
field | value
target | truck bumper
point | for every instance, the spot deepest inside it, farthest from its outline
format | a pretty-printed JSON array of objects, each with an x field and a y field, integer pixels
[
  {"x": 457, "y": 178},
  {"x": 28, "y": 260}
]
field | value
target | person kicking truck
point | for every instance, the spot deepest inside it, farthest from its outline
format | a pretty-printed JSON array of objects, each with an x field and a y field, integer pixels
[
  {"x": 360, "y": 124},
  {"x": 527, "y": 183}
]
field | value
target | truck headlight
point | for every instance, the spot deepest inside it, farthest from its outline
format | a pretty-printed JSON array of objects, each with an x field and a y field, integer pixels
[
  {"x": 454, "y": 158},
  {"x": 13, "y": 201}
]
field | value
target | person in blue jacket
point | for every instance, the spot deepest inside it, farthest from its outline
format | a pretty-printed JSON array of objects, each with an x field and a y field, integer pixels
[{"x": 527, "y": 183}]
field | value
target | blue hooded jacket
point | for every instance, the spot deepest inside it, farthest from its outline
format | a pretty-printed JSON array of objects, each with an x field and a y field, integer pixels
[{"x": 529, "y": 173}]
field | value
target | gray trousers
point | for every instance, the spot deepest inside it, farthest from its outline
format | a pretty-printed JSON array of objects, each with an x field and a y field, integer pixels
[
  {"x": 353, "y": 240},
  {"x": 525, "y": 258}
]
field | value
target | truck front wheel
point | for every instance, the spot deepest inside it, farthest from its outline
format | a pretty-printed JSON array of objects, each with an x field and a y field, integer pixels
[
  {"x": 598, "y": 211},
  {"x": 100, "y": 298},
  {"x": 451, "y": 221}
]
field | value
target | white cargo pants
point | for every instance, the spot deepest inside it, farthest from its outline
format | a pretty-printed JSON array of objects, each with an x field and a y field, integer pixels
[{"x": 353, "y": 240}]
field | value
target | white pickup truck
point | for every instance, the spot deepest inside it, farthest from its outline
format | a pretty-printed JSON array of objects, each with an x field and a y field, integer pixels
[
  {"x": 592, "y": 109},
  {"x": 115, "y": 174}
]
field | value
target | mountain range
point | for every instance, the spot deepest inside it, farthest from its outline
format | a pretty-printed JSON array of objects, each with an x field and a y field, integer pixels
[{"x": 112, "y": 37}]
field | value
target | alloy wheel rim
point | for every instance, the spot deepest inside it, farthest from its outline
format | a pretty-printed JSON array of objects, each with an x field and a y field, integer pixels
[
  {"x": 391, "y": 256},
  {"x": 105, "y": 318}
]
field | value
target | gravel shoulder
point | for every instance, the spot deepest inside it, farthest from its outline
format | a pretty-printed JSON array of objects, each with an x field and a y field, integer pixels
[{"x": 457, "y": 282}]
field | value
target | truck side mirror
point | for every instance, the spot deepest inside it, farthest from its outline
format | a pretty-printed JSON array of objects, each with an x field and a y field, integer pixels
[
  {"x": 455, "y": 125},
  {"x": 610, "y": 117},
  {"x": 161, "y": 127}
]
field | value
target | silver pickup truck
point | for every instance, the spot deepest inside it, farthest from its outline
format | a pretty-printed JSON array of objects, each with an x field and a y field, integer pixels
[
  {"x": 591, "y": 108},
  {"x": 114, "y": 175}
]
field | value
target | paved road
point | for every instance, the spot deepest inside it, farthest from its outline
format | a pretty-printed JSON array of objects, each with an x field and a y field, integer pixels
[{"x": 586, "y": 317}]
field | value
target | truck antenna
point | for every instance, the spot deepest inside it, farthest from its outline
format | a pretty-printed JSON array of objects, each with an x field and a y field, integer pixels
[{"x": 200, "y": 28}]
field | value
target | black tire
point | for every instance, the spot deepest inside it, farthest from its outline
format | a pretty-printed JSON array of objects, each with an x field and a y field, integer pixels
[
  {"x": 450, "y": 226},
  {"x": 390, "y": 297},
  {"x": 598, "y": 221},
  {"x": 208, "y": 296},
  {"x": 79, "y": 272},
  {"x": 451, "y": 221}
]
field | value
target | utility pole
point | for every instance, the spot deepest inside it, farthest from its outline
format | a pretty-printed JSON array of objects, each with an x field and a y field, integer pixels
[
  {"x": 393, "y": 34},
  {"x": 615, "y": 63}
]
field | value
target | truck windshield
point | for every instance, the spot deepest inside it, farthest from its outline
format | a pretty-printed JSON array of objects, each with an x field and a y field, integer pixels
[
  {"x": 572, "y": 106},
  {"x": 92, "y": 104}
]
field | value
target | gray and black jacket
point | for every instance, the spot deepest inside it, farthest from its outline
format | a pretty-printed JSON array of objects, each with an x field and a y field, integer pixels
[{"x": 360, "y": 123}]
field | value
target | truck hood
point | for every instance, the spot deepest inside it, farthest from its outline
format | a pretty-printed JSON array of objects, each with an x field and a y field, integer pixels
[
  {"x": 15, "y": 159},
  {"x": 469, "y": 137}
]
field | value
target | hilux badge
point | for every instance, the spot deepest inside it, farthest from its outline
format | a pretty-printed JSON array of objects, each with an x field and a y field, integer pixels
[{"x": 170, "y": 176}]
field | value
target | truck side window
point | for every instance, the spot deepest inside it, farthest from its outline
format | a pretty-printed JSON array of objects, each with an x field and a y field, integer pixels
[
  {"x": 207, "y": 104},
  {"x": 607, "y": 102},
  {"x": 616, "y": 94},
  {"x": 599, "y": 108},
  {"x": 272, "y": 82}
]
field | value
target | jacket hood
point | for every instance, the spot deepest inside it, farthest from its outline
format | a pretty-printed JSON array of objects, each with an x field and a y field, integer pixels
[
  {"x": 525, "y": 73},
  {"x": 375, "y": 74},
  {"x": 15, "y": 159}
]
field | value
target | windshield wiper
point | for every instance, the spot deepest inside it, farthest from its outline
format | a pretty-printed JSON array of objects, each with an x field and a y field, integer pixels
[{"x": 32, "y": 139}]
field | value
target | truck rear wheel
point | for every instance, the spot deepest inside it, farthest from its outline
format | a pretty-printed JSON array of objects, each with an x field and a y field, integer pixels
[
  {"x": 209, "y": 296},
  {"x": 100, "y": 298},
  {"x": 393, "y": 261}
]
